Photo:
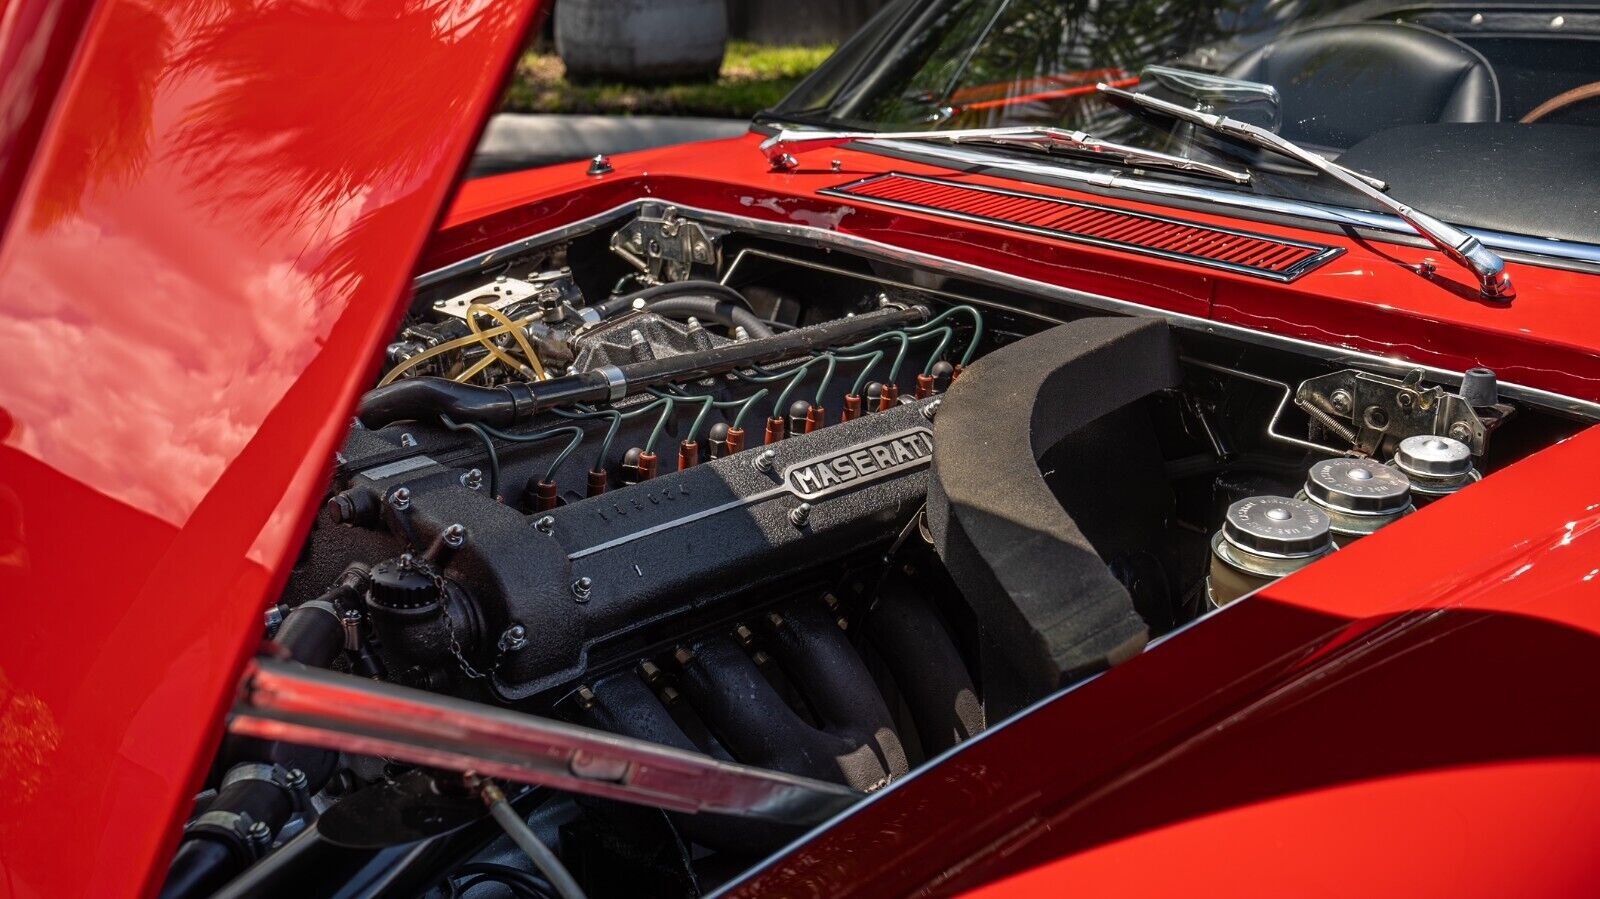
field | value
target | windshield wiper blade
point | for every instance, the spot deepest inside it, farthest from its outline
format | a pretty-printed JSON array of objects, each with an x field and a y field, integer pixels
[
  {"x": 782, "y": 148},
  {"x": 1494, "y": 282}
]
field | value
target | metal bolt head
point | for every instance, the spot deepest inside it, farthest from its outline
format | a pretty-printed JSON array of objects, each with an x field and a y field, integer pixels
[
  {"x": 799, "y": 515},
  {"x": 1340, "y": 400},
  {"x": 600, "y": 165},
  {"x": 455, "y": 535},
  {"x": 473, "y": 479},
  {"x": 400, "y": 499},
  {"x": 514, "y": 639},
  {"x": 581, "y": 589},
  {"x": 295, "y": 779},
  {"x": 837, "y": 165},
  {"x": 407, "y": 439},
  {"x": 683, "y": 655},
  {"x": 259, "y": 832},
  {"x": 929, "y": 410},
  {"x": 766, "y": 460},
  {"x": 649, "y": 671},
  {"x": 545, "y": 525},
  {"x": 585, "y": 697}
]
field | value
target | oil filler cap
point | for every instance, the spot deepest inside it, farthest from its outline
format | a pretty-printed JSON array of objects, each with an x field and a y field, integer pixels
[
  {"x": 1433, "y": 456},
  {"x": 1358, "y": 486},
  {"x": 1278, "y": 527}
]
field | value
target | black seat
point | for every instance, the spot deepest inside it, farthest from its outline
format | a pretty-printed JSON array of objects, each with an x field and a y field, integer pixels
[{"x": 1341, "y": 83}]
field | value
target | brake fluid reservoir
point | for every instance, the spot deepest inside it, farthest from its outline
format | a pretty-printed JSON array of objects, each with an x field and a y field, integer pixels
[
  {"x": 1262, "y": 539},
  {"x": 1359, "y": 496},
  {"x": 1436, "y": 466}
]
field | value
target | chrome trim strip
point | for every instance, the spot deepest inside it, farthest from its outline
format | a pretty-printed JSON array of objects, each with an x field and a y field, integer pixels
[
  {"x": 823, "y": 238},
  {"x": 1323, "y": 254},
  {"x": 1376, "y": 221},
  {"x": 754, "y": 498}
]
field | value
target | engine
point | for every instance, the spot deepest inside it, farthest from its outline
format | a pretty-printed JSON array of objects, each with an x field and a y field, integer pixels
[{"x": 809, "y": 513}]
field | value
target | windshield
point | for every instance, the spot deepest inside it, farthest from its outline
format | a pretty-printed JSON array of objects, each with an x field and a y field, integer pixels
[{"x": 1411, "y": 87}]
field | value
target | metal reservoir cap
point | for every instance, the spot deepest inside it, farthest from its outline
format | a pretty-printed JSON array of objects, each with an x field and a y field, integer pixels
[
  {"x": 1433, "y": 457},
  {"x": 1277, "y": 526},
  {"x": 1358, "y": 487}
]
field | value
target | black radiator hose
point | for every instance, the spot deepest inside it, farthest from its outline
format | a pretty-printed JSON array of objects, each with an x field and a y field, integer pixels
[
  {"x": 258, "y": 794},
  {"x": 730, "y": 314},
  {"x": 653, "y": 297}
]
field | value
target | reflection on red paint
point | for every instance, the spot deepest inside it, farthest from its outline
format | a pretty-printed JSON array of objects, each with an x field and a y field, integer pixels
[{"x": 209, "y": 243}]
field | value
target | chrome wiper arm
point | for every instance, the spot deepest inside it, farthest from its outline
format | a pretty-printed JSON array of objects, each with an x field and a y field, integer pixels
[
  {"x": 1494, "y": 282},
  {"x": 782, "y": 148}
]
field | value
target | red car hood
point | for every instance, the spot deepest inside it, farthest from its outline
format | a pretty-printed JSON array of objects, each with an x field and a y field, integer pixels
[{"x": 210, "y": 221}]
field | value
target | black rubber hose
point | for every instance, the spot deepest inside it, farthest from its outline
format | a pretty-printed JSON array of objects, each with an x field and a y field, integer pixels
[
  {"x": 927, "y": 668},
  {"x": 213, "y": 853},
  {"x": 428, "y": 398},
  {"x": 650, "y": 295},
  {"x": 730, "y": 314}
]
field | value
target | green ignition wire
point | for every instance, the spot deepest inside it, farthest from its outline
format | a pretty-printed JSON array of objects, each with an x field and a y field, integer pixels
[
  {"x": 489, "y": 450},
  {"x": 535, "y": 437},
  {"x": 613, "y": 416},
  {"x": 977, "y": 328}
]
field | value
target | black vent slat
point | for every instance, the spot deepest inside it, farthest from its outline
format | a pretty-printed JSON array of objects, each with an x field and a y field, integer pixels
[{"x": 1252, "y": 254}]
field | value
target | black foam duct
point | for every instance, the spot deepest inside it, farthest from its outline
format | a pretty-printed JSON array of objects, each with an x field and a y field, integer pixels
[{"x": 1051, "y": 612}]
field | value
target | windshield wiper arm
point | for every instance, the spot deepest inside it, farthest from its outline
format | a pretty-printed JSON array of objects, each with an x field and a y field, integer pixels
[
  {"x": 1494, "y": 282},
  {"x": 781, "y": 148}
]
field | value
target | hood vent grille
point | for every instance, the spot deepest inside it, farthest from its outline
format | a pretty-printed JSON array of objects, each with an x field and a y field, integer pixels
[{"x": 1235, "y": 251}]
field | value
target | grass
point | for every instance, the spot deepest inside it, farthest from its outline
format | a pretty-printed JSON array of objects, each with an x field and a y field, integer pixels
[{"x": 753, "y": 77}]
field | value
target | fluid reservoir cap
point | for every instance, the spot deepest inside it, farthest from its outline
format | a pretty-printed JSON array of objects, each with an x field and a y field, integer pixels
[
  {"x": 1277, "y": 526},
  {"x": 1432, "y": 456},
  {"x": 396, "y": 585},
  {"x": 1358, "y": 486}
]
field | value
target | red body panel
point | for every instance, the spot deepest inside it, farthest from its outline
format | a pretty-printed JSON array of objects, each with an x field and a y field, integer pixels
[
  {"x": 209, "y": 234},
  {"x": 1408, "y": 717},
  {"x": 211, "y": 240}
]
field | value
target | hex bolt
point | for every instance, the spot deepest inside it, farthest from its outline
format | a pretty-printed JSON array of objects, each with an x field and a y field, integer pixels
[
  {"x": 581, "y": 588},
  {"x": 774, "y": 619},
  {"x": 514, "y": 639},
  {"x": 545, "y": 525},
  {"x": 473, "y": 479},
  {"x": 454, "y": 535},
  {"x": 668, "y": 695},
  {"x": 683, "y": 656},
  {"x": 799, "y": 515},
  {"x": 400, "y": 499},
  {"x": 407, "y": 440},
  {"x": 585, "y": 697},
  {"x": 341, "y": 508},
  {"x": 1462, "y": 432},
  {"x": 760, "y": 658},
  {"x": 766, "y": 461},
  {"x": 649, "y": 671},
  {"x": 744, "y": 635},
  {"x": 931, "y": 409}
]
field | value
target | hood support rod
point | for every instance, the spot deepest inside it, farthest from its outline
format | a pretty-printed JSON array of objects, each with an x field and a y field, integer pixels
[{"x": 290, "y": 702}]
